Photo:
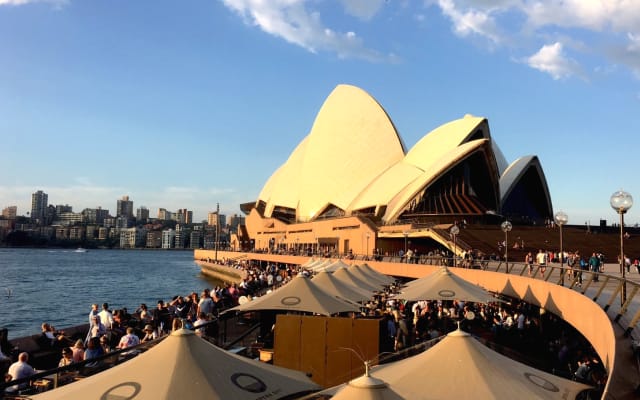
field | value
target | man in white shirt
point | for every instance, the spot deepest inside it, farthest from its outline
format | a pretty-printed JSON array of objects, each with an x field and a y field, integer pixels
[
  {"x": 20, "y": 369},
  {"x": 129, "y": 340},
  {"x": 106, "y": 317}
]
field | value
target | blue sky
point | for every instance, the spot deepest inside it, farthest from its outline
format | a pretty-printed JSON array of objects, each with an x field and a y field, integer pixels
[{"x": 185, "y": 104}]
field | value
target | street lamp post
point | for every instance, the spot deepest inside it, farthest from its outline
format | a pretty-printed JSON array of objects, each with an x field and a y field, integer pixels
[
  {"x": 506, "y": 228},
  {"x": 622, "y": 201},
  {"x": 454, "y": 232},
  {"x": 368, "y": 235},
  {"x": 561, "y": 219},
  {"x": 406, "y": 235}
]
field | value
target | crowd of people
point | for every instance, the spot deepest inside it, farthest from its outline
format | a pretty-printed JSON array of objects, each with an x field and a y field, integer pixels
[{"x": 515, "y": 323}]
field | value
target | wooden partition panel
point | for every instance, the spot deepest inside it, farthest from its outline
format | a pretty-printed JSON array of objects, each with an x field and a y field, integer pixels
[
  {"x": 338, "y": 357},
  {"x": 313, "y": 340},
  {"x": 287, "y": 340},
  {"x": 317, "y": 345},
  {"x": 366, "y": 341}
]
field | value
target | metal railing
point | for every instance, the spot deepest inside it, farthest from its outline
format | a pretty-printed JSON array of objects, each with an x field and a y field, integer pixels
[{"x": 604, "y": 288}]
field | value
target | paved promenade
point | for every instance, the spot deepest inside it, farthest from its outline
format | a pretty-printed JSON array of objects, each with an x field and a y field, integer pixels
[{"x": 627, "y": 370}]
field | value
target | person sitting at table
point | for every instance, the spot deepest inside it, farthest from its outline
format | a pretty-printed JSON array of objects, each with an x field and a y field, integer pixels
[
  {"x": 20, "y": 370},
  {"x": 67, "y": 357},
  {"x": 149, "y": 334},
  {"x": 52, "y": 338},
  {"x": 129, "y": 340},
  {"x": 94, "y": 350},
  {"x": 78, "y": 351}
]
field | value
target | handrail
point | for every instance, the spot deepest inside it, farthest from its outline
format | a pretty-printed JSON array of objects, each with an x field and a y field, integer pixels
[{"x": 599, "y": 281}]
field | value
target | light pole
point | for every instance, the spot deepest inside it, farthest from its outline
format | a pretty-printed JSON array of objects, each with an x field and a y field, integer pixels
[
  {"x": 506, "y": 228},
  {"x": 368, "y": 235},
  {"x": 406, "y": 235},
  {"x": 454, "y": 232},
  {"x": 561, "y": 219},
  {"x": 622, "y": 201}
]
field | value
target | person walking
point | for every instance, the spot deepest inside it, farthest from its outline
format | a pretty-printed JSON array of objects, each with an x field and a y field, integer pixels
[{"x": 594, "y": 266}]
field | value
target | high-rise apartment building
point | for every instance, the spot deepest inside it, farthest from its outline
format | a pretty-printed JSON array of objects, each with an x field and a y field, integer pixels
[
  {"x": 142, "y": 214},
  {"x": 63, "y": 209},
  {"x": 214, "y": 218},
  {"x": 235, "y": 220},
  {"x": 124, "y": 207},
  {"x": 39, "y": 204},
  {"x": 95, "y": 215},
  {"x": 10, "y": 212},
  {"x": 164, "y": 215},
  {"x": 184, "y": 216}
]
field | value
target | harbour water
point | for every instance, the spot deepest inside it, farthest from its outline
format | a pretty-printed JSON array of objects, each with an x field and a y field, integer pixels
[{"x": 58, "y": 286}]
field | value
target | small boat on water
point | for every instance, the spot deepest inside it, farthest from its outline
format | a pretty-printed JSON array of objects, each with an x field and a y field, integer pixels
[{"x": 80, "y": 250}]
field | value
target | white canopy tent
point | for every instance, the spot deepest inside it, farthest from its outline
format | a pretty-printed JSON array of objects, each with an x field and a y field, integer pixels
[
  {"x": 185, "y": 366},
  {"x": 301, "y": 294},
  {"x": 338, "y": 288},
  {"x": 460, "y": 367},
  {"x": 444, "y": 285}
]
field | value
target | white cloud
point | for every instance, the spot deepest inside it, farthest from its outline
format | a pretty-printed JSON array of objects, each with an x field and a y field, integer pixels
[
  {"x": 470, "y": 21},
  {"x": 551, "y": 59},
  {"x": 363, "y": 9},
  {"x": 293, "y": 22},
  {"x": 57, "y": 3}
]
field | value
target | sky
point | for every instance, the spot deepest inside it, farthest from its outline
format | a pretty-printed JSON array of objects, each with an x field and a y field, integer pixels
[{"x": 188, "y": 104}]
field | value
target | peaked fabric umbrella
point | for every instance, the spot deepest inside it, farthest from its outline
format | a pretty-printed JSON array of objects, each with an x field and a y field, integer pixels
[
  {"x": 444, "y": 285},
  {"x": 367, "y": 269},
  {"x": 347, "y": 277},
  {"x": 359, "y": 273},
  {"x": 301, "y": 294},
  {"x": 338, "y": 288},
  {"x": 460, "y": 367},
  {"x": 319, "y": 265},
  {"x": 367, "y": 387},
  {"x": 309, "y": 263},
  {"x": 185, "y": 366},
  {"x": 331, "y": 267}
]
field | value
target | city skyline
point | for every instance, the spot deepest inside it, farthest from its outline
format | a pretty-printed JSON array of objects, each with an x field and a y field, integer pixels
[{"x": 202, "y": 102}]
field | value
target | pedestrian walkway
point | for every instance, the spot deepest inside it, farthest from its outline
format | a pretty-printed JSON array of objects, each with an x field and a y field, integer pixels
[{"x": 607, "y": 292}]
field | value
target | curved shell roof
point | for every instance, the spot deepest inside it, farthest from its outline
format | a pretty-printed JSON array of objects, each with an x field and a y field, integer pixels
[
  {"x": 351, "y": 142},
  {"x": 515, "y": 172},
  {"x": 437, "y": 168},
  {"x": 354, "y": 159}
]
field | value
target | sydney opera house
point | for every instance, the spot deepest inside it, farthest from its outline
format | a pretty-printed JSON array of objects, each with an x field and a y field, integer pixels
[{"x": 351, "y": 185}]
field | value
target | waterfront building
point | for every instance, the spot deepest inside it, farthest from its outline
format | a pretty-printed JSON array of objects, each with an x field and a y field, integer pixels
[
  {"x": 62, "y": 232},
  {"x": 154, "y": 239},
  {"x": 91, "y": 232},
  {"x": 77, "y": 232},
  {"x": 168, "y": 238},
  {"x": 351, "y": 185},
  {"x": 195, "y": 239},
  {"x": 103, "y": 233},
  {"x": 39, "y": 204},
  {"x": 124, "y": 207},
  {"x": 10, "y": 212},
  {"x": 131, "y": 238}
]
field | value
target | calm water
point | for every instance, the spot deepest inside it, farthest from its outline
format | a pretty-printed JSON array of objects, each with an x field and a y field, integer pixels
[{"x": 58, "y": 286}]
